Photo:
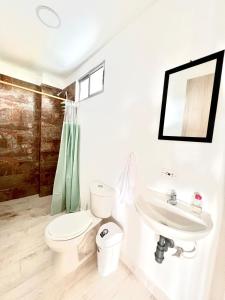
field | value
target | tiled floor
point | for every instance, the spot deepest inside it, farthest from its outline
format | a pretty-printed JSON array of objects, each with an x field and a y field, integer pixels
[{"x": 25, "y": 260}]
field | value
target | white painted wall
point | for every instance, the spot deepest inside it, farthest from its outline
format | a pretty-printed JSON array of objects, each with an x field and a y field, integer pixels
[
  {"x": 36, "y": 77},
  {"x": 126, "y": 117}
]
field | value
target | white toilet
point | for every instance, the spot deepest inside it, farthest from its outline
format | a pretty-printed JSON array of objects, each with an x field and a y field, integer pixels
[
  {"x": 65, "y": 232},
  {"x": 102, "y": 198}
]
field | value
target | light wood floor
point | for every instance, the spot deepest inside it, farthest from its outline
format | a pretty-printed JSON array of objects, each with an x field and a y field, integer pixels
[{"x": 26, "y": 268}]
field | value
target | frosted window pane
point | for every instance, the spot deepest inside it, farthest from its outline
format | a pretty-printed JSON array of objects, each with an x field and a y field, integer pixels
[
  {"x": 84, "y": 88},
  {"x": 96, "y": 81}
]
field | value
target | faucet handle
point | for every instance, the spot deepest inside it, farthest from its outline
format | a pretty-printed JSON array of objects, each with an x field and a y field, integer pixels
[
  {"x": 173, "y": 193},
  {"x": 172, "y": 197}
]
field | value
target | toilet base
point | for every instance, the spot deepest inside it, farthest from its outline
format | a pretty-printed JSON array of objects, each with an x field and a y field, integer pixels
[
  {"x": 69, "y": 254},
  {"x": 65, "y": 262}
]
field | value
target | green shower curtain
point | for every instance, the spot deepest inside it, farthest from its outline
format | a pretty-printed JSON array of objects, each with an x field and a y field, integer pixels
[{"x": 66, "y": 189}]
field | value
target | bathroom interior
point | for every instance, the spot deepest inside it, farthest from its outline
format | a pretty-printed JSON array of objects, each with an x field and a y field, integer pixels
[{"x": 112, "y": 150}]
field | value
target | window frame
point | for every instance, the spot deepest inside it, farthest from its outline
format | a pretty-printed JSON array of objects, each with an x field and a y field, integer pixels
[{"x": 87, "y": 76}]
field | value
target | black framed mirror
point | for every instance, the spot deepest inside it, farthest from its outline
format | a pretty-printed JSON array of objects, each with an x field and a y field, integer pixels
[{"x": 189, "y": 101}]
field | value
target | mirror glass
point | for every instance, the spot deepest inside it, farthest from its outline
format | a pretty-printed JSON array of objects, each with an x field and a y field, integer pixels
[
  {"x": 188, "y": 101},
  {"x": 190, "y": 98}
]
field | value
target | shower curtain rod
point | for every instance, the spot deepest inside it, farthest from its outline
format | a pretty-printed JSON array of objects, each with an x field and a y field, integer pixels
[{"x": 37, "y": 92}]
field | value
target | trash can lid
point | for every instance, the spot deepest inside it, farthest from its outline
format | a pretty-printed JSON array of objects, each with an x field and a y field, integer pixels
[
  {"x": 108, "y": 235},
  {"x": 101, "y": 189}
]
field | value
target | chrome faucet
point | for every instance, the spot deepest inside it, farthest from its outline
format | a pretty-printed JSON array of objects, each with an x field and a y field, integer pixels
[{"x": 172, "y": 198}]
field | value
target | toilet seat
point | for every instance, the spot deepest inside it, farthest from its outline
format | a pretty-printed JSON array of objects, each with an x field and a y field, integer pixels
[{"x": 69, "y": 226}]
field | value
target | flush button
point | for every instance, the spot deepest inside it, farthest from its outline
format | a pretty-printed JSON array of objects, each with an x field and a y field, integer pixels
[{"x": 104, "y": 232}]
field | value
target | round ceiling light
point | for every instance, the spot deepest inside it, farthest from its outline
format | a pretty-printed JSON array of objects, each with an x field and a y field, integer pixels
[{"x": 48, "y": 16}]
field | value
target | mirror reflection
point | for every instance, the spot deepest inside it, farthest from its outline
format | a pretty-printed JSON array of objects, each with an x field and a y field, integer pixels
[{"x": 188, "y": 101}]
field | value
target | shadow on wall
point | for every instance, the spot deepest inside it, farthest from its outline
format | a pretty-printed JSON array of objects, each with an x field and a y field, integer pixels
[
  {"x": 126, "y": 216},
  {"x": 218, "y": 286}
]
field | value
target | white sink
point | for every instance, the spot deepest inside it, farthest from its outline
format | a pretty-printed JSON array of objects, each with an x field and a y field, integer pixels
[{"x": 174, "y": 222}]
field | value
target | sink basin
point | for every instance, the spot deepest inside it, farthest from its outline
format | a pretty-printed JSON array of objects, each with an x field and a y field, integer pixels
[{"x": 174, "y": 222}]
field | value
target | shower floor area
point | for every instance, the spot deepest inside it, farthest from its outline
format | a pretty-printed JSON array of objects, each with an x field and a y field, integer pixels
[{"x": 26, "y": 268}]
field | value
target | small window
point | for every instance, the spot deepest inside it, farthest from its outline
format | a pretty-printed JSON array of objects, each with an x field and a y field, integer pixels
[
  {"x": 92, "y": 83},
  {"x": 84, "y": 86}
]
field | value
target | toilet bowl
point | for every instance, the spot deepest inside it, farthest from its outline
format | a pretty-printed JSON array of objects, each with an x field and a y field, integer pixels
[{"x": 63, "y": 235}]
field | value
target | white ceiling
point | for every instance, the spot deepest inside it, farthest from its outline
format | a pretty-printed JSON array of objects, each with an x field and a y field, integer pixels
[{"x": 86, "y": 26}]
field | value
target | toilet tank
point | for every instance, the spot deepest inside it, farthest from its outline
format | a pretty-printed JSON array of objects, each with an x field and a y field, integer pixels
[{"x": 102, "y": 199}]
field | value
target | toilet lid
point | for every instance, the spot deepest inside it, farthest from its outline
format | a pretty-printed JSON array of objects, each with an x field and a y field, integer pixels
[{"x": 69, "y": 226}]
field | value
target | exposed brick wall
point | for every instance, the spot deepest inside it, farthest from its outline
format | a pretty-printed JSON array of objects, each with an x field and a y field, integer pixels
[
  {"x": 51, "y": 126},
  {"x": 30, "y": 132},
  {"x": 19, "y": 140}
]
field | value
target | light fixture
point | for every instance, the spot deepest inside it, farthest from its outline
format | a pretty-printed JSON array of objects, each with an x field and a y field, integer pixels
[{"x": 48, "y": 16}]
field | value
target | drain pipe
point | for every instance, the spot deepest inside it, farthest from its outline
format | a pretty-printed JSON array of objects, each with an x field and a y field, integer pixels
[
  {"x": 188, "y": 254},
  {"x": 162, "y": 246},
  {"x": 165, "y": 243}
]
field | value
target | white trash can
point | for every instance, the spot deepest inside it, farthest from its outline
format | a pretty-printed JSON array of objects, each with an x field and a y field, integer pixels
[{"x": 108, "y": 240}]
